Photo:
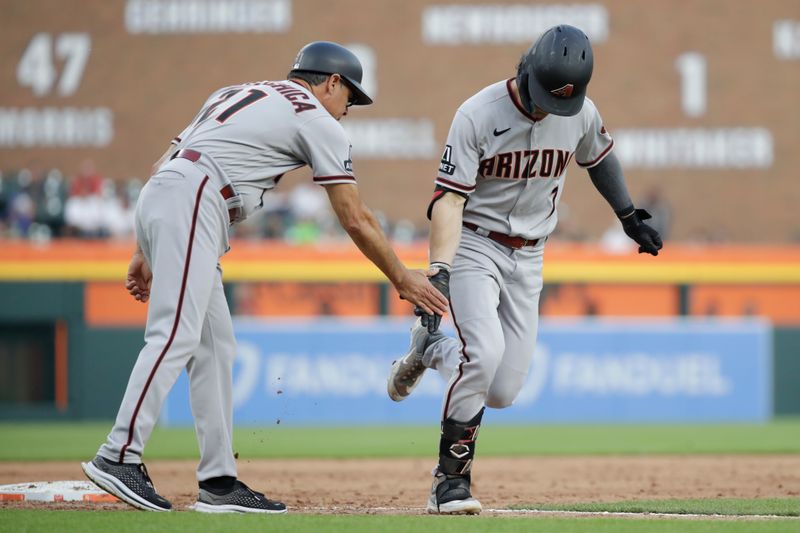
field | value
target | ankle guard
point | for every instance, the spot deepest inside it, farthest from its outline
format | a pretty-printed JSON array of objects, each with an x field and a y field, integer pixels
[{"x": 457, "y": 445}]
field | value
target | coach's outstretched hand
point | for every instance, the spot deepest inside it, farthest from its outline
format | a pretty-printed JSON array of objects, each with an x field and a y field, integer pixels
[
  {"x": 646, "y": 237},
  {"x": 417, "y": 288},
  {"x": 440, "y": 280}
]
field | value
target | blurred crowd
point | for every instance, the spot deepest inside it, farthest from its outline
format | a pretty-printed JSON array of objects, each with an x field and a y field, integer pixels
[{"x": 44, "y": 205}]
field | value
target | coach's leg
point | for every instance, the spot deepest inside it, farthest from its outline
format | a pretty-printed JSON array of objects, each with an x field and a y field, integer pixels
[
  {"x": 183, "y": 259},
  {"x": 210, "y": 381}
]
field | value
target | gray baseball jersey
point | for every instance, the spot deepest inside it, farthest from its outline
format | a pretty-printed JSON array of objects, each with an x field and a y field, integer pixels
[
  {"x": 252, "y": 134},
  {"x": 246, "y": 136},
  {"x": 512, "y": 168}
]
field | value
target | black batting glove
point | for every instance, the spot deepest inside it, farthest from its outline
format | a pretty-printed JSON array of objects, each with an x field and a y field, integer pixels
[
  {"x": 440, "y": 280},
  {"x": 645, "y": 236}
]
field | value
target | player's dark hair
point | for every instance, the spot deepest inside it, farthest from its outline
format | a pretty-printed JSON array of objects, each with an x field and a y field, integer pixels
[{"x": 313, "y": 78}]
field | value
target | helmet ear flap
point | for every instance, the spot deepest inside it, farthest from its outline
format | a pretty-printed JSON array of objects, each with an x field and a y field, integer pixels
[{"x": 522, "y": 87}]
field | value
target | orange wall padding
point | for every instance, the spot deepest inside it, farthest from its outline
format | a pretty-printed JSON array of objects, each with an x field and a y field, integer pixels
[{"x": 108, "y": 304}]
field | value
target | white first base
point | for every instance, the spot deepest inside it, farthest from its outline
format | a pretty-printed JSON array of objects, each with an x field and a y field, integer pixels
[{"x": 55, "y": 491}]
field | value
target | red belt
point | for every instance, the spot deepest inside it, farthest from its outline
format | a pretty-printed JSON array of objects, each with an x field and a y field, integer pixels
[
  {"x": 506, "y": 240},
  {"x": 226, "y": 192}
]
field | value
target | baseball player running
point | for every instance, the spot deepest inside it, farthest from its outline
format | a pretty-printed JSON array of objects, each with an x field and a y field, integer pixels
[
  {"x": 495, "y": 203},
  {"x": 214, "y": 174}
]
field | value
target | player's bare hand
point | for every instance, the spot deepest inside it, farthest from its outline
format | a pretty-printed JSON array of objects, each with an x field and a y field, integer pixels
[
  {"x": 139, "y": 277},
  {"x": 417, "y": 289}
]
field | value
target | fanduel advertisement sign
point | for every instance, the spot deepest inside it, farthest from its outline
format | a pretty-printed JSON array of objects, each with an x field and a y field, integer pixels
[{"x": 334, "y": 372}]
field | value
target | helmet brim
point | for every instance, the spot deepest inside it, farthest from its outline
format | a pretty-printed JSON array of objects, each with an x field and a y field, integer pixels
[
  {"x": 555, "y": 105},
  {"x": 361, "y": 96}
]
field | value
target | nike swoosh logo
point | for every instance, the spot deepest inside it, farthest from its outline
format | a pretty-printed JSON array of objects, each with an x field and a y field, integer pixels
[{"x": 499, "y": 133}]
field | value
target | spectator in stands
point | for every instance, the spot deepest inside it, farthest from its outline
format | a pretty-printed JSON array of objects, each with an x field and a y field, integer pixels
[
  {"x": 21, "y": 207},
  {"x": 83, "y": 209},
  {"x": 310, "y": 213},
  {"x": 116, "y": 212},
  {"x": 50, "y": 198}
]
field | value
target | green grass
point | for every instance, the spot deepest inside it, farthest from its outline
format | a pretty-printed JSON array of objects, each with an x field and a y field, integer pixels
[
  {"x": 122, "y": 521},
  {"x": 65, "y": 441},
  {"x": 720, "y": 506}
]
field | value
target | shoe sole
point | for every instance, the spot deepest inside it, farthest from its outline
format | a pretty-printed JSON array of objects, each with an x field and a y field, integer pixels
[
  {"x": 394, "y": 394},
  {"x": 456, "y": 507},
  {"x": 202, "y": 507},
  {"x": 114, "y": 486}
]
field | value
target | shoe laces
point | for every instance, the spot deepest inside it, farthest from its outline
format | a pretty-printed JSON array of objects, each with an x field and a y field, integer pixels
[
  {"x": 254, "y": 493},
  {"x": 143, "y": 470}
]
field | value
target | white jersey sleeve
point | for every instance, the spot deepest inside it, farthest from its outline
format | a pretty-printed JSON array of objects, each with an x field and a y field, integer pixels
[
  {"x": 326, "y": 148},
  {"x": 458, "y": 168},
  {"x": 596, "y": 142}
]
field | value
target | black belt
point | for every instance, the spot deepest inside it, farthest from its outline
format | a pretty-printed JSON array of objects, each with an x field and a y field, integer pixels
[
  {"x": 506, "y": 240},
  {"x": 227, "y": 191}
]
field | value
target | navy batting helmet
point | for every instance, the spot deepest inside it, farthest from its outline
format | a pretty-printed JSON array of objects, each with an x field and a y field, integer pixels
[
  {"x": 326, "y": 57},
  {"x": 554, "y": 73}
]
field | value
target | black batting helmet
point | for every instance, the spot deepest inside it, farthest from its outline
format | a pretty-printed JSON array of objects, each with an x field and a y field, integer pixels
[
  {"x": 554, "y": 73},
  {"x": 326, "y": 57}
]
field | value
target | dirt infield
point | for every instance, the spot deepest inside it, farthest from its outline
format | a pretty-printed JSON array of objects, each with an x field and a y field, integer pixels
[{"x": 371, "y": 486}]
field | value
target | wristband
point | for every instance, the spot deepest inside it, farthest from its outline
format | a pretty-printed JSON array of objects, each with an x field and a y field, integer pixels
[
  {"x": 625, "y": 212},
  {"x": 440, "y": 266}
]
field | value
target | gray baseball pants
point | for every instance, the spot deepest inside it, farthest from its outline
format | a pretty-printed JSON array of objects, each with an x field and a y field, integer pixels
[
  {"x": 494, "y": 303},
  {"x": 181, "y": 226}
]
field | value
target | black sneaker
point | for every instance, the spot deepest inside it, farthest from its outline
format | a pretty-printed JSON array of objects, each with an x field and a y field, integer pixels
[
  {"x": 239, "y": 499},
  {"x": 127, "y": 481},
  {"x": 451, "y": 495}
]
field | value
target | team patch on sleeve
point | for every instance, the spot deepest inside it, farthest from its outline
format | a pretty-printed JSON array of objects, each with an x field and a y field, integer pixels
[
  {"x": 446, "y": 166},
  {"x": 348, "y": 163}
]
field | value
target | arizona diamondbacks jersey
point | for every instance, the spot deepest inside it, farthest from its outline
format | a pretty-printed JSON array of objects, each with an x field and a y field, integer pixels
[
  {"x": 252, "y": 134},
  {"x": 512, "y": 166}
]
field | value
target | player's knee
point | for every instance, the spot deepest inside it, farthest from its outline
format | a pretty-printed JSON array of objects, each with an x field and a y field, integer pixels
[
  {"x": 500, "y": 400},
  {"x": 481, "y": 376},
  {"x": 504, "y": 390}
]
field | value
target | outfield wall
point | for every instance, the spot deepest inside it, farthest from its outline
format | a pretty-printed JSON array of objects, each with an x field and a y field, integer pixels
[
  {"x": 585, "y": 371},
  {"x": 756, "y": 374},
  {"x": 69, "y": 333}
]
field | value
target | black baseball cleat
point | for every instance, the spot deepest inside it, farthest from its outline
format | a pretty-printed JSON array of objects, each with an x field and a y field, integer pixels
[
  {"x": 451, "y": 495},
  {"x": 239, "y": 499},
  {"x": 129, "y": 482}
]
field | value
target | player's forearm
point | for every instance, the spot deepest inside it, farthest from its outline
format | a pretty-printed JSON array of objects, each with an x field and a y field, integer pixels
[
  {"x": 446, "y": 219},
  {"x": 608, "y": 179}
]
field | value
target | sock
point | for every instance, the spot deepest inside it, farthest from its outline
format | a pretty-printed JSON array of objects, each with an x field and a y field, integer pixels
[{"x": 218, "y": 485}]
